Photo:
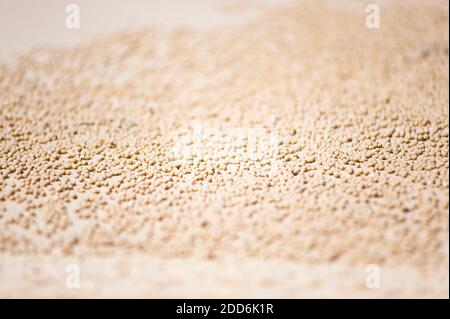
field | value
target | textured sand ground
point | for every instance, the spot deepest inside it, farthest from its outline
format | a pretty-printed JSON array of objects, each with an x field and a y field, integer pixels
[{"x": 279, "y": 158}]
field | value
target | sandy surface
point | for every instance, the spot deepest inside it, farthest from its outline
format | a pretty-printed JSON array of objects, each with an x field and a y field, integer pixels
[{"x": 284, "y": 151}]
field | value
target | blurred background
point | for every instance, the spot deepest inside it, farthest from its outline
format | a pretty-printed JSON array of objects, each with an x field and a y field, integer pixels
[{"x": 25, "y": 23}]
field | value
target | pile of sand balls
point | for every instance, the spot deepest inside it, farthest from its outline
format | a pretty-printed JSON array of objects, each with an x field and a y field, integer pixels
[{"x": 303, "y": 136}]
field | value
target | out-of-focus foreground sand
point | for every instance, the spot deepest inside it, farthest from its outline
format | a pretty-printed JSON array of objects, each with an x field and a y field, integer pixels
[{"x": 132, "y": 156}]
